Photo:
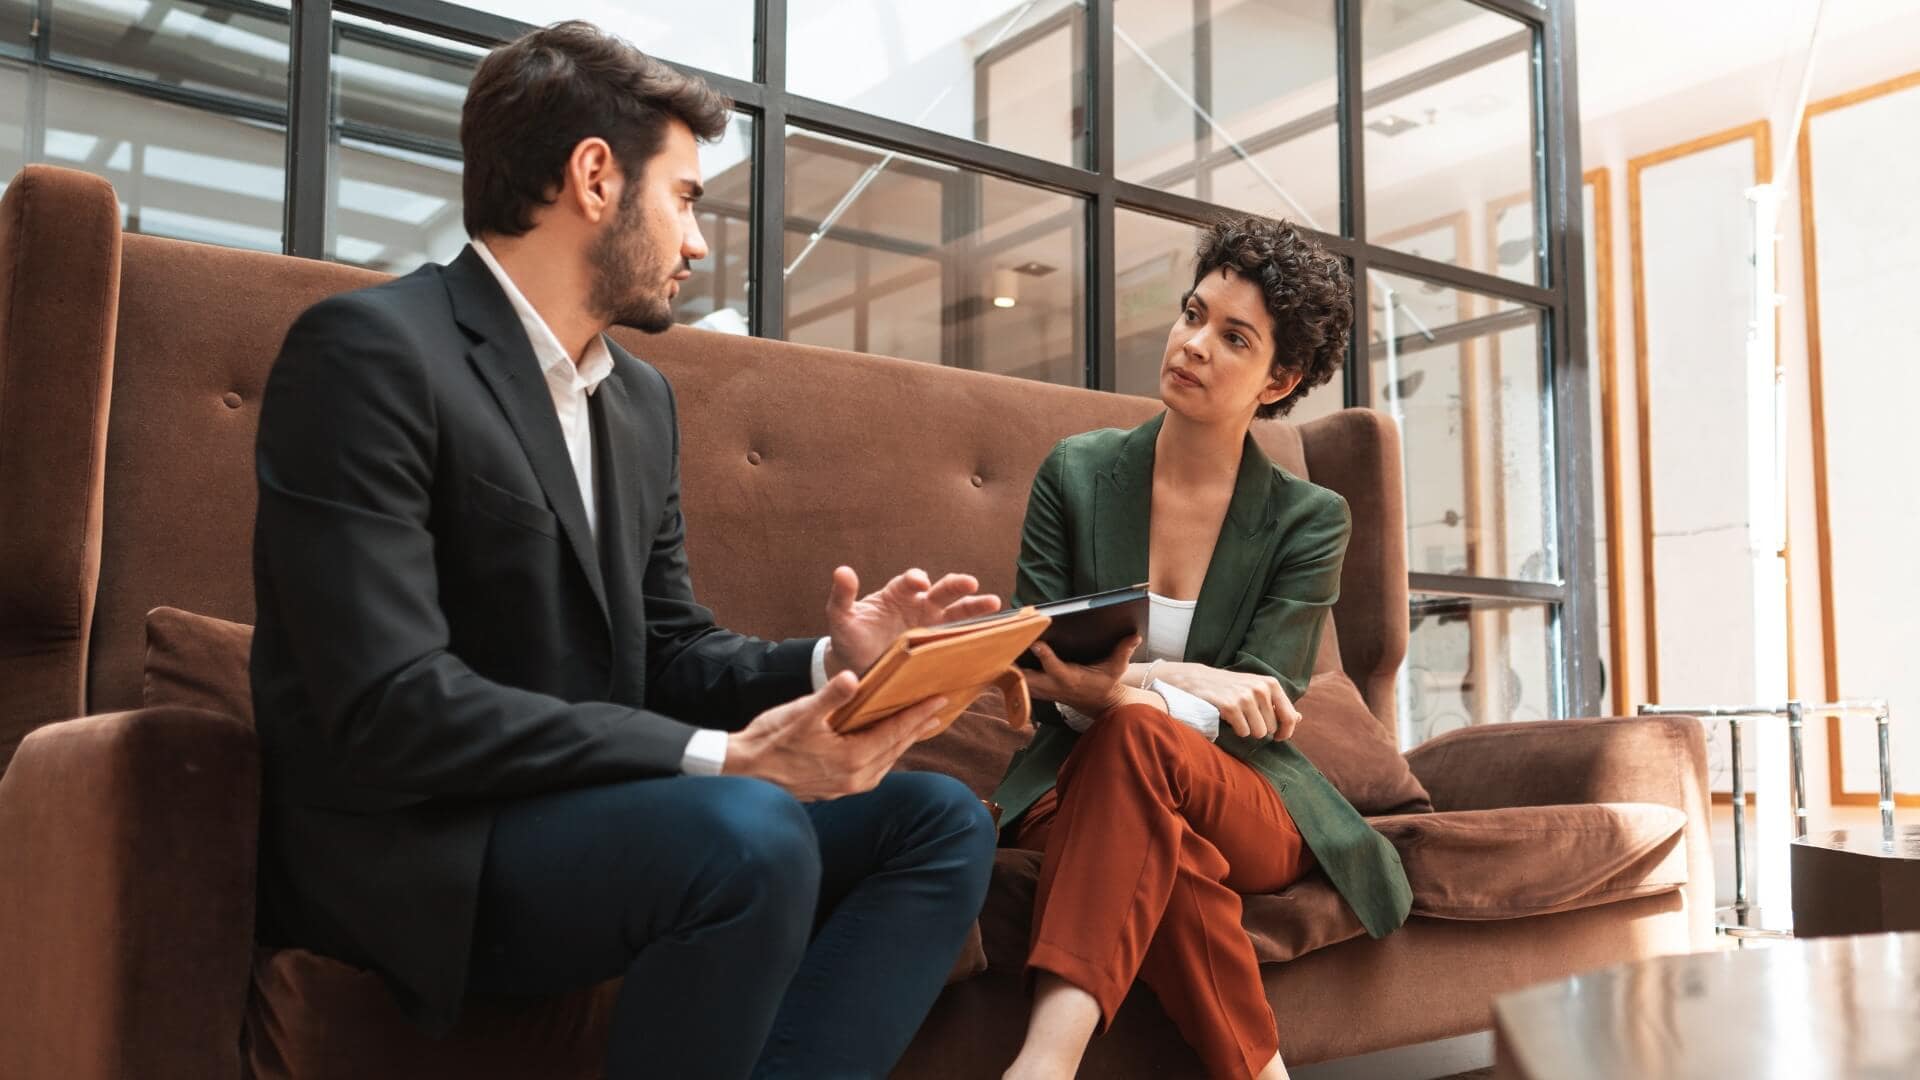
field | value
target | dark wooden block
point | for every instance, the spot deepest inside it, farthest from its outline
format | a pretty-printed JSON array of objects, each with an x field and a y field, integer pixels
[{"x": 1855, "y": 881}]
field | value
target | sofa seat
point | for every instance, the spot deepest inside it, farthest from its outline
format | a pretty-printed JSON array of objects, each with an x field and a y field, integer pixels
[{"x": 316, "y": 1018}]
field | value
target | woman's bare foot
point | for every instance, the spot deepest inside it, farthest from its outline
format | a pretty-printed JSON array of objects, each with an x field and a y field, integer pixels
[{"x": 1063, "y": 1019}]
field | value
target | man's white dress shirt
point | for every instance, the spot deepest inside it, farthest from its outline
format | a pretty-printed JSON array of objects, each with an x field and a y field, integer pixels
[{"x": 571, "y": 385}]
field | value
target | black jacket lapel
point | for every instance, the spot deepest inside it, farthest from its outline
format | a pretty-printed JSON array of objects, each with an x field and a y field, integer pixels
[
  {"x": 629, "y": 501},
  {"x": 504, "y": 358}
]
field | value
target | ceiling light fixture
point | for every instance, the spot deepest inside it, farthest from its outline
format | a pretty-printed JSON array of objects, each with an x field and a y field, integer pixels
[{"x": 1006, "y": 288}]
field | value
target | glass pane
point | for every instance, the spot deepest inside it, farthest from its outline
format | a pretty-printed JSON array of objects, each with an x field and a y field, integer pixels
[
  {"x": 395, "y": 200},
  {"x": 16, "y": 26},
  {"x": 990, "y": 70},
  {"x": 180, "y": 172},
  {"x": 393, "y": 209},
  {"x": 716, "y": 297},
  {"x": 894, "y": 255},
  {"x": 715, "y": 36},
  {"x": 1199, "y": 97},
  {"x": 1475, "y": 661},
  {"x": 182, "y": 44},
  {"x": 400, "y": 82},
  {"x": 1599, "y": 294},
  {"x": 1153, "y": 271},
  {"x": 1450, "y": 128},
  {"x": 1460, "y": 372},
  {"x": 13, "y": 122}
]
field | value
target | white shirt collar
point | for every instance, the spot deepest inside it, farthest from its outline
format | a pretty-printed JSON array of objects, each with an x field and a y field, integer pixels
[{"x": 596, "y": 364}]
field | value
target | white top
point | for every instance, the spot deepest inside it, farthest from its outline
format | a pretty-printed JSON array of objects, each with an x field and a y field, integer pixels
[
  {"x": 568, "y": 382},
  {"x": 1169, "y": 624},
  {"x": 571, "y": 384}
]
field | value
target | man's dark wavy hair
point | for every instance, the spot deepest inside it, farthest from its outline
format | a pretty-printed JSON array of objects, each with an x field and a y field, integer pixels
[
  {"x": 1308, "y": 292},
  {"x": 535, "y": 98}
]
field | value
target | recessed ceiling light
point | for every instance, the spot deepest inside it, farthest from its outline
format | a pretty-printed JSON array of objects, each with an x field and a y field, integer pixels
[{"x": 1391, "y": 125}]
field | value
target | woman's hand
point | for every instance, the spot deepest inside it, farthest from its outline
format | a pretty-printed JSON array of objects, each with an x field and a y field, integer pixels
[
  {"x": 1252, "y": 705},
  {"x": 1090, "y": 688}
]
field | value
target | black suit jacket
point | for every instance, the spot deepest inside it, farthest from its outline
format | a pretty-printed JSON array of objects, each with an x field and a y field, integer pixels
[{"x": 438, "y": 629}]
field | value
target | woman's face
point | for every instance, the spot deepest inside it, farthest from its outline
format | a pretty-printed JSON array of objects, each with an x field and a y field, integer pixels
[{"x": 1218, "y": 365}]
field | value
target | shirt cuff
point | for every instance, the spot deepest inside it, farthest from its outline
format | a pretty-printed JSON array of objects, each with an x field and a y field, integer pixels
[
  {"x": 1189, "y": 709},
  {"x": 706, "y": 753},
  {"x": 820, "y": 663}
]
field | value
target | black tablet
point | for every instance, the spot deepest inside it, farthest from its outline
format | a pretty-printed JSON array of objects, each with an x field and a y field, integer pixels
[{"x": 1085, "y": 629}]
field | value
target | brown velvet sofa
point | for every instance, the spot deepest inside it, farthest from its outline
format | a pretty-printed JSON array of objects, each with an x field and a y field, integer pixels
[{"x": 130, "y": 375}]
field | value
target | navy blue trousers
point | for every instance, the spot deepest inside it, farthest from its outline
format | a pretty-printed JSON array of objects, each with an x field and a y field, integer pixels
[{"x": 759, "y": 936}]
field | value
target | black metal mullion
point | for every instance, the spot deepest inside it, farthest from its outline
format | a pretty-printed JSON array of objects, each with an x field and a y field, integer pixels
[
  {"x": 1353, "y": 196},
  {"x": 405, "y": 46},
  {"x": 1102, "y": 251},
  {"x": 887, "y": 134},
  {"x": 1186, "y": 208},
  {"x": 767, "y": 244},
  {"x": 309, "y": 112},
  {"x": 441, "y": 19},
  {"x": 1466, "y": 330},
  {"x": 1527, "y": 11},
  {"x": 1459, "y": 277},
  {"x": 1570, "y": 369},
  {"x": 208, "y": 100},
  {"x": 401, "y": 140},
  {"x": 41, "y": 28},
  {"x": 1544, "y": 592},
  {"x": 1202, "y": 94}
]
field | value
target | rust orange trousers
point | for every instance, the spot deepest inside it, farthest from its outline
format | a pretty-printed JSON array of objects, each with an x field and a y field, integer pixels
[{"x": 1151, "y": 836}]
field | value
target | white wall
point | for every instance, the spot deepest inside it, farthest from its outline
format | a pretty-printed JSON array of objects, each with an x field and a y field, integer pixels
[{"x": 1655, "y": 75}]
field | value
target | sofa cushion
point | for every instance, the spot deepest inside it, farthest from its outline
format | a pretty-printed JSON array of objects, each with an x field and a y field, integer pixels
[
  {"x": 318, "y": 1019},
  {"x": 1532, "y": 860},
  {"x": 198, "y": 661},
  {"x": 1343, "y": 740}
]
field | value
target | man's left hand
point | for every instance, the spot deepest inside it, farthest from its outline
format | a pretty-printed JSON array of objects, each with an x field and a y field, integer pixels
[{"x": 862, "y": 628}]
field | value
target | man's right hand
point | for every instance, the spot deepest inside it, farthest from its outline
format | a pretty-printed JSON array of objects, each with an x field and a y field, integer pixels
[{"x": 792, "y": 746}]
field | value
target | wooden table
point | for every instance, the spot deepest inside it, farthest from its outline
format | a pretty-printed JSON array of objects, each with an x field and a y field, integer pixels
[
  {"x": 1856, "y": 881},
  {"x": 1806, "y": 1010}
]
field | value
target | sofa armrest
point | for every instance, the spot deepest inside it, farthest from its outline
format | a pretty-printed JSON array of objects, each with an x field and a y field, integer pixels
[
  {"x": 127, "y": 847},
  {"x": 1643, "y": 759}
]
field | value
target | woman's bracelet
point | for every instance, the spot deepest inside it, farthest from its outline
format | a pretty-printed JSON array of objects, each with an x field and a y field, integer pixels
[{"x": 1146, "y": 680}]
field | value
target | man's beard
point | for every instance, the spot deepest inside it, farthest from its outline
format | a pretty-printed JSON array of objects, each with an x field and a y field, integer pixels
[{"x": 625, "y": 291}]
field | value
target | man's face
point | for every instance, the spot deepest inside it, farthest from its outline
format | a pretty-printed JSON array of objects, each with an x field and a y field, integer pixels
[{"x": 641, "y": 254}]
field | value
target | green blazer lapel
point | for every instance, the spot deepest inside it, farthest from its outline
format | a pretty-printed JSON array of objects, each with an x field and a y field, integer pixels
[
  {"x": 1241, "y": 559},
  {"x": 1122, "y": 509}
]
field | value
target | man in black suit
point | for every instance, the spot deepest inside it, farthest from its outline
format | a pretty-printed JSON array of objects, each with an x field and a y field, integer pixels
[{"x": 504, "y": 749}]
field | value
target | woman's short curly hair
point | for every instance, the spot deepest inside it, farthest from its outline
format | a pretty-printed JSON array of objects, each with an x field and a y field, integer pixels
[{"x": 1308, "y": 292}]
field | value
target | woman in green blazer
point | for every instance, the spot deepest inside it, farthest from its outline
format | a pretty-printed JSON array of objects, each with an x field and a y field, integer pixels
[{"x": 1162, "y": 790}]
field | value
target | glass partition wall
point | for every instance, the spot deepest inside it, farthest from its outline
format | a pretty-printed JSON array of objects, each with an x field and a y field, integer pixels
[{"x": 1006, "y": 185}]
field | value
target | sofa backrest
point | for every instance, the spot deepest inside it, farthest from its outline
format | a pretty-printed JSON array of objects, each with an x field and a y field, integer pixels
[
  {"x": 794, "y": 459},
  {"x": 59, "y": 284}
]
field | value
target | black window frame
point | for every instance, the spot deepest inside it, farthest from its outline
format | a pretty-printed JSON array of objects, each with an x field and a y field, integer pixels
[{"x": 1560, "y": 295}]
